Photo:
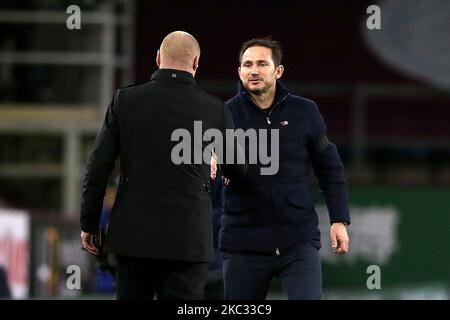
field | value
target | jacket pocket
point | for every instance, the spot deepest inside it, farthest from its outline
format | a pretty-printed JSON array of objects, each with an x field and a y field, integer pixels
[
  {"x": 241, "y": 204},
  {"x": 298, "y": 206},
  {"x": 301, "y": 202},
  {"x": 245, "y": 212}
]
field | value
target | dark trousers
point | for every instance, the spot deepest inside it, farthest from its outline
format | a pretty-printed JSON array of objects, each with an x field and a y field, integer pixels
[
  {"x": 214, "y": 285},
  {"x": 248, "y": 276},
  {"x": 142, "y": 278}
]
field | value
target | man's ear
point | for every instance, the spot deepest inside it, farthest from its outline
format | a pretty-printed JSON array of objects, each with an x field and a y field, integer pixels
[
  {"x": 158, "y": 58},
  {"x": 279, "y": 71},
  {"x": 195, "y": 63}
]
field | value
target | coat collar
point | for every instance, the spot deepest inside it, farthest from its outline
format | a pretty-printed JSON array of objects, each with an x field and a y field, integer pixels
[
  {"x": 281, "y": 92},
  {"x": 173, "y": 74}
]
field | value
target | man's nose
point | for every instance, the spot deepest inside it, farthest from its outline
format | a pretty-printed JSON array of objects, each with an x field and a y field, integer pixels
[{"x": 254, "y": 70}]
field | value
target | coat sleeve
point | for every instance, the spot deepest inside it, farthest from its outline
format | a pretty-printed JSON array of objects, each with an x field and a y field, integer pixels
[
  {"x": 237, "y": 168},
  {"x": 99, "y": 167},
  {"x": 328, "y": 168}
]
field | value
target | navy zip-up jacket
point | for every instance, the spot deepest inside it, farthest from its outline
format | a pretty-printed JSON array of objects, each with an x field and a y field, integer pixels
[{"x": 271, "y": 213}]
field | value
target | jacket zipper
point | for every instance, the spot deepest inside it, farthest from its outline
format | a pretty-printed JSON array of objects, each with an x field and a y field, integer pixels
[
  {"x": 277, "y": 250},
  {"x": 273, "y": 108}
]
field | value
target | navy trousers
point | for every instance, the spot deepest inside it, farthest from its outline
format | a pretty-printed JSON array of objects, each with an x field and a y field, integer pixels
[{"x": 248, "y": 276}]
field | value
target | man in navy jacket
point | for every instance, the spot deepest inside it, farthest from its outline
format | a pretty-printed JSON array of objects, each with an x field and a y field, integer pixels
[{"x": 269, "y": 225}]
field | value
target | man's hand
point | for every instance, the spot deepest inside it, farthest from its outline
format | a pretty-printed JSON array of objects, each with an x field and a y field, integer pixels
[
  {"x": 225, "y": 181},
  {"x": 339, "y": 238},
  {"x": 88, "y": 244},
  {"x": 213, "y": 166}
]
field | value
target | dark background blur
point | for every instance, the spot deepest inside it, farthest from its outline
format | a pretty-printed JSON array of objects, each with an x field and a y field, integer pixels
[{"x": 385, "y": 95}]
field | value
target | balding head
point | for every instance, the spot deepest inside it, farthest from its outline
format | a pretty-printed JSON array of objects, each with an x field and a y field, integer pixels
[{"x": 179, "y": 50}]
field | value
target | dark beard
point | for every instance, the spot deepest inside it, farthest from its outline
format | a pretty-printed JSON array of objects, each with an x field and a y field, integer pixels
[{"x": 258, "y": 92}]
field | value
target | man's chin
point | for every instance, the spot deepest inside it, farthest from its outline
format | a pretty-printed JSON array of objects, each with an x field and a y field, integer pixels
[{"x": 256, "y": 90}]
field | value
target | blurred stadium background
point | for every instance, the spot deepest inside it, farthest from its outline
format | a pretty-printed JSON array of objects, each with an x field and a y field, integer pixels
[{"x": 385, "y": 95}]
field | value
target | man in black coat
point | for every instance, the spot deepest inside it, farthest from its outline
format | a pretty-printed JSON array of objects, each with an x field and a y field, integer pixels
[{"x": 161, "y": 225}]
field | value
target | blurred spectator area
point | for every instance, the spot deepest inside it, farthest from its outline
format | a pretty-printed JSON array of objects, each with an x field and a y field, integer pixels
[
  {"x": 390, "y": 126},
  {"x": 55, "y": 84}
]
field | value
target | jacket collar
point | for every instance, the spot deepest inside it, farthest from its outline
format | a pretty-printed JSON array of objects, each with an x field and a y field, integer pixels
[
  {"x": 173, "y": 74},
  {"x": 281, "y": 92}
]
